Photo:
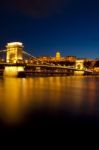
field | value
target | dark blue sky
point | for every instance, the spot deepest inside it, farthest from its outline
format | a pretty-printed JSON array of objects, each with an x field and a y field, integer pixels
[{"x": 47, "y": 26}]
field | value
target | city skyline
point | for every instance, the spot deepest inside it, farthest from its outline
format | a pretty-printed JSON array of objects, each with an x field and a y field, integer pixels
[{"x": 67, "y": 26}]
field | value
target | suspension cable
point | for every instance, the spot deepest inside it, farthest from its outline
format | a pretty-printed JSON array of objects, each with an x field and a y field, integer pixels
[
  {"x": 3, "y": 50},
  {"x": 29, "y": 54}
]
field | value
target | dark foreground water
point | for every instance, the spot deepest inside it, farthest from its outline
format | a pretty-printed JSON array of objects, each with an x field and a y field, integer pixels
[{"x": 49, "y": 101}]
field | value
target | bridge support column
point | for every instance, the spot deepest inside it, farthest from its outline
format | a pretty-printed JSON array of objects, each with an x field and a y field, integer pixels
[
  {"x": 14, "y": 71},
  {"x": 79, "y": 66}
]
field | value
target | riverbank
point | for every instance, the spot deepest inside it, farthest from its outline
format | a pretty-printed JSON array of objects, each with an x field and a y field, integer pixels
[{"x": 40, "y": 73}]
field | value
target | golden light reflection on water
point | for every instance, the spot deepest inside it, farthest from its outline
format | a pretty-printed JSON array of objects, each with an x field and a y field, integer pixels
[
  {"x": 18, "y": 96},
  {"x": 11, "y": 100}
]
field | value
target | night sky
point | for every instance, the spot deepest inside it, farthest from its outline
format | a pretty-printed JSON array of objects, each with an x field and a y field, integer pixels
[{"x": 48, "y": 26}]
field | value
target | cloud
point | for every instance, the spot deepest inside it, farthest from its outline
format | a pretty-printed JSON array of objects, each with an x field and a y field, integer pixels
[{"x": 36, "y": 8}]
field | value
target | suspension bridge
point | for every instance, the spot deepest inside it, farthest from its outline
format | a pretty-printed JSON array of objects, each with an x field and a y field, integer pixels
[{"x": 15, "y": 60}]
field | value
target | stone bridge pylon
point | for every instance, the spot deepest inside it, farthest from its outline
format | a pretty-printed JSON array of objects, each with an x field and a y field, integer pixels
[
  {"x": 14, "y": 52},
  {"x": 79, "y": 67}
]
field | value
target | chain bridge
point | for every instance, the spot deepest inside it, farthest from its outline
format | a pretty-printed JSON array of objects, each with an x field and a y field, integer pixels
[{"x": 14, "y": 60}]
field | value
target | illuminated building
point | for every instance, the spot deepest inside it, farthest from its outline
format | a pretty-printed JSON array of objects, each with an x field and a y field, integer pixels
[
  {"x": 44, "y": 58},
  {"x": 70, "y": 58},
  {"x": 58, "y": 56},
  {"x": 14, "y": 52}
]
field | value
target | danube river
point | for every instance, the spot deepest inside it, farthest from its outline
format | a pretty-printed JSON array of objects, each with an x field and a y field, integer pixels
[{"x": 24, "y": 100}]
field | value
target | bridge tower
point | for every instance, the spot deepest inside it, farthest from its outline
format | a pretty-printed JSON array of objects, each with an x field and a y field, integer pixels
[
  {"x": 13, "y": 55},
  {"x": 79, "y": 66},
  {"x": 14, "y": 52}
]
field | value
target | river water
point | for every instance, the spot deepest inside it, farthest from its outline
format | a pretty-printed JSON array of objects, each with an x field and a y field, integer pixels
[{"x": 22, "y": 100}]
